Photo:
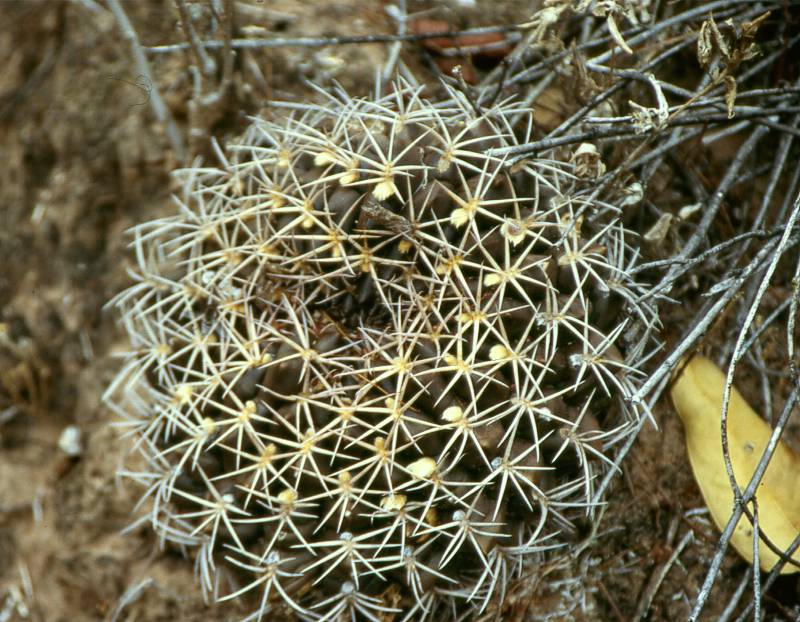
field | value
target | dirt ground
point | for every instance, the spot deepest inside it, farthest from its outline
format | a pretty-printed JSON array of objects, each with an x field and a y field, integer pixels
[{"x": 83, "y": 160}]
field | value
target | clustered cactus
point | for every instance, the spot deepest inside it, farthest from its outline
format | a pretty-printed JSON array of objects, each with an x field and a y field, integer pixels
[{"x": 376, "y": 371}]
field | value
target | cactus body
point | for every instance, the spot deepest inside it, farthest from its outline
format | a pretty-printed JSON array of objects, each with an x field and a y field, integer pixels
[{"x": 374, "y": 370}]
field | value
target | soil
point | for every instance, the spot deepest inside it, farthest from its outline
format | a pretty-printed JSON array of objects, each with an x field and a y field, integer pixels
[{"x": 83, "y": 159}]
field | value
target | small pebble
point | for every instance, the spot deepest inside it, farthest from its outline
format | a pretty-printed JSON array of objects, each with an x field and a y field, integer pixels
[{"x": 70, "y": 441}]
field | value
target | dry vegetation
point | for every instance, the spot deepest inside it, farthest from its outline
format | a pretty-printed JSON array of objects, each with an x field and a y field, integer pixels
[{"x": 712, "y": 138}]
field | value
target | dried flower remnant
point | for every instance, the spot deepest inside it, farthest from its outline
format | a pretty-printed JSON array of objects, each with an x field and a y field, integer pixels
[
  {"x": 374, "y": 369},
  {"x": 588, "y": 161}
]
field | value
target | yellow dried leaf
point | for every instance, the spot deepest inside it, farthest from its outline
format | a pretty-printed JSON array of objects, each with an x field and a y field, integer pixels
[{"x": 697, "y": 395}]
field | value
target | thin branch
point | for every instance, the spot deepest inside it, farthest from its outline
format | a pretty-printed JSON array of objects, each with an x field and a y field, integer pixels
[
  {"x": 759, "y": 234},
  {"x": 529, "y": 149},
  {"x": 773, "y": 576},
  {"x": 710, "y": 213},
  {"x": 325, "y": 41},
  {"x": 657, "y": 578},
  {"x": 643, "y": 35},
  {"x": 159, "y": 108},
  {"x": 743, "y": 498},
  {"x": 204, "y": 61},
  {"x": 227, "y": 49},
  {"x": 749, "y": 492},
  {"x": 400, "y": 14}
]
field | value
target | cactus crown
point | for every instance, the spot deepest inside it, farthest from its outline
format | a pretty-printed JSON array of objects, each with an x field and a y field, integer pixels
[{"x": 375, "y": 370}]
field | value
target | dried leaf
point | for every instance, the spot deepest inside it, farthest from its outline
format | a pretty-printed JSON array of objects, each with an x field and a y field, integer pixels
[
  {"x": 616, "y": 34},
  {"x": 647, "y": 119},
  {"x": 661, "y": 100},
  {"x": 733, "y": 48},
  {"x": 588, "y": 162},
  {"x": 697, "y": 395},
  {"x": 719, "y": 40},
  {"x": 585, "y": 86},
  {"x": 631, "y": 195},
  {"x": 423, "y": 26},
  {"x": 749, "y": 29},
  {"x": 750, "y": 52},
  {"x": 543, "y": 19},
  {"x": 687, "y": 211},
  {"x": 711, "y": 41},
  {"x": 705, "y": 48},
  {"x": 490, "y": 44},
  {"x": 730, "y": 94},
  {"x": 659, "y": 230},
  {"x": 451, "y": 51},
  {"x": 550, "y": 108}
]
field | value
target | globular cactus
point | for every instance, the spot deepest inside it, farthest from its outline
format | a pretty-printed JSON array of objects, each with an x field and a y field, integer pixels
[{"x": 376, "y": 371}]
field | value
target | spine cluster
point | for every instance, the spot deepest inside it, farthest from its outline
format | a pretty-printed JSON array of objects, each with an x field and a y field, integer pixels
[{"x": 375, "y": 371}]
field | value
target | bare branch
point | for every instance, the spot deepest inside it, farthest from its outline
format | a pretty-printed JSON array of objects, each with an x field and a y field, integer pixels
[{"x": 159, "y": 108}]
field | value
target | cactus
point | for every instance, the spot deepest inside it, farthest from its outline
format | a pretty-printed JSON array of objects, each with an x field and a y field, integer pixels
[{"x": 375, "y": 372}]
